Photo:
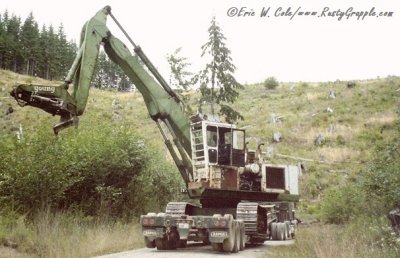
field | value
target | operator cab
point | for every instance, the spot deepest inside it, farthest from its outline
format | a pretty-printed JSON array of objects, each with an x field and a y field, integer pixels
[
  {"x": 225, "y": 145},
  {"x": 216, "y": 145}
]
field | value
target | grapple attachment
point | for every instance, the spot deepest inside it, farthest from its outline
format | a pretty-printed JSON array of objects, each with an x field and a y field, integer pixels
[{"x": 55, "y": 100}]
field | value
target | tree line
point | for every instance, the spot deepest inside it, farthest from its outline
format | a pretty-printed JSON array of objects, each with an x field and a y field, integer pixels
[
  {"x": 47, "y": 53},
  {"x": 109, "y": 75},
  {"x": 26, "y": 49}
]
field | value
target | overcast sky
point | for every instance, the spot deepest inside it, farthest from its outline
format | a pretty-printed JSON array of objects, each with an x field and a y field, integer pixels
[{"x": 286, "y": 45}]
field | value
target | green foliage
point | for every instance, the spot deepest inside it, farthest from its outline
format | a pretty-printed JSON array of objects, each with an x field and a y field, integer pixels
[
  {"x": 65, "y": 234},
  {"x": 230, "y": 114},
  {"x": 219, "y": 73},
  {"x": 362, "y": 238},
  {"x": 376, "y": 190},
  {"x": 304, "y": 85},
  {"x": 342, "y": 204},
  {"x": 340, "y": 140},
  {"x": 100, "y": 170},
  {"x": 109, "y": 75},
  {"x": 359, "y": 127},
  {"x": 271, "y": 83},
  {"x": 25, "y": 49},
  {"x": 382, "y": 177},
  {"x": 182, "y": 80}
]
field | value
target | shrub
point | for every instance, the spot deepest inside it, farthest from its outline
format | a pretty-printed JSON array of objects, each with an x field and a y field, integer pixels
[
  {"x": 340, "y": 140},
  {"x": 304, "y": 85},
  {"x": 382, "y": 177},
  {"x": 342, "y": 204},
  {"x": 271, "y": 83},
  {"x": 101, "y": 170}
]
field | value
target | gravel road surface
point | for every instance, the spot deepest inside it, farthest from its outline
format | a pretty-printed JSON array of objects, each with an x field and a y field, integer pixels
[{"x": 196, "y": 250}]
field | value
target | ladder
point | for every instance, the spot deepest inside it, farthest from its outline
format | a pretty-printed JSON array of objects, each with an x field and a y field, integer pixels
[{"x": 198, "y": 152}]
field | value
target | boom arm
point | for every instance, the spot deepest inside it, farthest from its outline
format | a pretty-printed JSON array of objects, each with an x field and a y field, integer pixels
[{"x": 162, "y": 103}]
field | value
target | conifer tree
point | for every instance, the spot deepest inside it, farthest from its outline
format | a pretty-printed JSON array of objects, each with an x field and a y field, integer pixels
[
  {"x": 12, "y": 43},
  {"x": 29, "y": 44},
  {"x": 26, "y": 49},
  {"x": 2, "y": 40},
  {"x": 217, "y": 83},
  {"x": 52, "y": 61},
  {"x": 43, "y": 53},
  {"x": 99, "y": 78}
]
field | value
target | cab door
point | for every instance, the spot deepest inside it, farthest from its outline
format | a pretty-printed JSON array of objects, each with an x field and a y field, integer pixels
[{"x": 238, "y": 147}]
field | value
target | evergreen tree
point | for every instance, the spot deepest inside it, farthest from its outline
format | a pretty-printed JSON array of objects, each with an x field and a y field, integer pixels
[
  {"x": 43, "y": 53},
  {"x": 219, "y": 73},
  {"x": 100, "y": 71},
  {"x": 2, "y": 40},
  {"x": 124, "y": 83},
  {"x": 52, "y": 56},
  {"x": 62, "y": 53},
  {"x": 70, "y": 50},
  {"x": 25, "y": 49},
  {"x": 30, "y": 44},
  {"x": 48, "y": 54},
  {"x": 109, "y": 75},
  {"x": 12, "y": 44}
]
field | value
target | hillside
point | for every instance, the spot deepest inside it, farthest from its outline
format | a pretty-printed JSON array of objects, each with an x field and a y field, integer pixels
[
  {"x": 357, "y": 118},
  {"x": 352, "y": 124}
]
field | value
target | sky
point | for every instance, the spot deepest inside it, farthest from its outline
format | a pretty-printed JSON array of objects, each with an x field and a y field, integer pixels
[{"x": 342, "y": 40}]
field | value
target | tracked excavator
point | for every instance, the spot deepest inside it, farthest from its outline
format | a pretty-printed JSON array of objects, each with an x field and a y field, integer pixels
[{"x": 242, "y": 199}]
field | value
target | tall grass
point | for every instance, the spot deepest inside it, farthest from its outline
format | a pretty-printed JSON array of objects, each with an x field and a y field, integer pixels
[
  {"x": 362, "y": 238},
  {"x": 66, "y": 235}
]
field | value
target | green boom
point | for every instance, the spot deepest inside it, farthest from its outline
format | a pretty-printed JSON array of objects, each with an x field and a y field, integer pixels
[{"x": 162, "y": 103}]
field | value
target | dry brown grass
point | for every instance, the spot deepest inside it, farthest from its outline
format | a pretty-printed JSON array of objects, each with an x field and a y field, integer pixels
[
  {"x": 68, "y": 235},
  {"x": 311, "y": 96},
  {"x": 309, "y": 134},
  {"x": 112, "y": 239},
  {"x": 346, "y": 131},
  {"x": 61, "y": 236},
  {"x": 334, "y": 241},
  {"x": 383, "y": 118},
  {"x": 334, "y": 154}
]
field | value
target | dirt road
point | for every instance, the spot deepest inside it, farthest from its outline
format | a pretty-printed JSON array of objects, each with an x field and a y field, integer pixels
[{"x": 195, "y": 250}]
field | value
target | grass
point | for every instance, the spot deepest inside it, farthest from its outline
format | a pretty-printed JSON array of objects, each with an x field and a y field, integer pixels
[
  {"x": 335, "y": 154},
  {"x": 358, "y": 239},
  {"x": 66, "y": 235},
  {"x": 362, "y": 116}
]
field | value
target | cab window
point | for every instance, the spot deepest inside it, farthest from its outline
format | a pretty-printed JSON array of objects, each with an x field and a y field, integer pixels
[{"x": 212, "y": 137}]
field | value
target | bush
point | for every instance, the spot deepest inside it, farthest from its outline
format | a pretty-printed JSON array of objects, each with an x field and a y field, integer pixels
[
  {"x": 382, "y": 178},
  {"x": 340, "y": 140},
  {"x": 100, "y": 170},
  {"x": 376, "y": 190},
  {"x": 271, "y": 83},
  {"x": 304, "y": 85},
  {"x": 341, "y": 204}
]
